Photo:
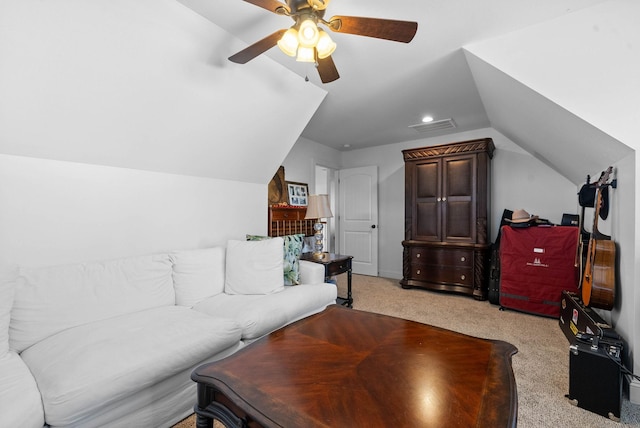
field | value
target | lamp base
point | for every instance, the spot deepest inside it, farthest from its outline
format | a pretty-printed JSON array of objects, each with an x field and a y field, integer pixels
[
  {"x": 317, "y": 248},
  {"x": 318, "y": 256}
]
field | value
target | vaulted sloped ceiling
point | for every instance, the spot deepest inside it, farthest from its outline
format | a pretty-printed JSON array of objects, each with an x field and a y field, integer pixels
[
  {"x": 560, "y": 88},
  {"x": 147, "y": 84},
  {"x": 385, "y": 86},
  {"x": 550, "y": 133},
  {"x": 143, "y": 85}
]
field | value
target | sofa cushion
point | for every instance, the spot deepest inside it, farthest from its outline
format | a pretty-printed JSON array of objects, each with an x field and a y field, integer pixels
[
  {"x": 292, "y": 252},
  {"x": 8, "y": 276},
  {"x": 52, "y": 299},
  {"x": 197, "y": 274},
  {"x": 20, "y": 402},
  {"x": 259, "y": 315},
  {"x": 84, "y": 369},
  {"x": 254, "y": 267}
]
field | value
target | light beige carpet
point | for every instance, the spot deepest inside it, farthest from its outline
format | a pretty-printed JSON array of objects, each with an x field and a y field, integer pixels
[{"x": 541, "y": 365}]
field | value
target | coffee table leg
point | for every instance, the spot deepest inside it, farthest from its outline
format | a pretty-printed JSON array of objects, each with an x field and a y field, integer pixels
[
  {"x": 349, "y": 296},
  {"x": 203, "y": 421},
  {"x": 209, "y": 409},
  {"x": 205, "y": 417}
]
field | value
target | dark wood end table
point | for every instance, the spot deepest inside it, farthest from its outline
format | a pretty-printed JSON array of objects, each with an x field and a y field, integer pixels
[
  {"x": 334, "y": 264},
  {"x": 350, "y": 368}
]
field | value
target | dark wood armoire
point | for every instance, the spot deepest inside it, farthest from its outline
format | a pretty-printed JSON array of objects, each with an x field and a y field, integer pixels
[{"x": 446, "y": 244}]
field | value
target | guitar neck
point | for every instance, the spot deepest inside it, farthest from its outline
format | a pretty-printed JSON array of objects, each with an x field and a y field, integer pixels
[{"x": 596, "y": 234}]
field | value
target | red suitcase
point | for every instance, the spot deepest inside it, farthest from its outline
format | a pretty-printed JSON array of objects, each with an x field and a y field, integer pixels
[{"x": 536, "y": 264}]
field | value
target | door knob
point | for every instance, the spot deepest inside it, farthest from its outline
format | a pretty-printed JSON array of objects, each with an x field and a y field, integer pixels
[{"x": 373, "y": 226}]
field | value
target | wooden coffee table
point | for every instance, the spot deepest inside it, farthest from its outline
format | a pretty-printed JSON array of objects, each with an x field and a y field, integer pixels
[{"x": 348, "y": 368}]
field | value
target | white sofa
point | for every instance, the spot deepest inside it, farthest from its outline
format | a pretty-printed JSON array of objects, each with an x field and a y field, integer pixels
[{"x": 113, "y": 343}]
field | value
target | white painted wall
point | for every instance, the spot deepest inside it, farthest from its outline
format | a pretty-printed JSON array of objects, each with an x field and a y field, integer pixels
[
  {"x": 143, "y": 84},
  {"x": 56, "y": 212},
  {"x": 124, "y": 130},
  {"x": 299, "y": 165}
]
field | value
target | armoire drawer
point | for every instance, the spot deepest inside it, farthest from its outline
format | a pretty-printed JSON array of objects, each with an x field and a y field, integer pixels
[
  {"x": 442, "y": 256},
  {"x": 449, "y": 275}
]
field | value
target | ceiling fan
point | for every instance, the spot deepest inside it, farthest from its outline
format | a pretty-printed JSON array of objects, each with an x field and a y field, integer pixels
[{"x": 309, "y": 43}]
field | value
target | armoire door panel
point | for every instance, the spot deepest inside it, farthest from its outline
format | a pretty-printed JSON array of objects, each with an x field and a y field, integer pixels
[
  {"x": 427, "y": 180},
  {"x": 427, "y": 221},
  {"x": 458, "y": 226},
  {"x": 458, "y": 177}
]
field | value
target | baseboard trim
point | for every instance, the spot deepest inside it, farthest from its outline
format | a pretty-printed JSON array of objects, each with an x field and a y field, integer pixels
[{"x": 390, "y": 274}]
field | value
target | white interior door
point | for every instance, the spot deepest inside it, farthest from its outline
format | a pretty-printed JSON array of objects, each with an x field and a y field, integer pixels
[{"x": 358, "y": 218}]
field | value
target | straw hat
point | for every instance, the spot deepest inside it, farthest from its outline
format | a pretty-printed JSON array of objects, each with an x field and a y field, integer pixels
[{"x": 521, "y": 216}]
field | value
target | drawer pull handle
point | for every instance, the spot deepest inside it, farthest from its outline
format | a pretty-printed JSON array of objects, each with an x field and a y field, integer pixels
[
  {"x": 418, "y": 272},
  {"x": 462, "y": 259},
  {"x": 462, "y": 277},
  {"x": 418, "y": 255}
]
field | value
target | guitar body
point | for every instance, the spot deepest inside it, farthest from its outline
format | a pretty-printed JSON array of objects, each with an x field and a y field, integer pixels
[
  {"x": 598, "y": 280},
  {"x": 599, "y": 275}
]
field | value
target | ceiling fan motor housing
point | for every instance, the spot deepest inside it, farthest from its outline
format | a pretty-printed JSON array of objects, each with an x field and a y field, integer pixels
[{"x": 298, "y": 7}]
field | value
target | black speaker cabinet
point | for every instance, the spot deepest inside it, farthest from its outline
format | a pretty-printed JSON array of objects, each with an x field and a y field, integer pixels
[{"x": 595, "y": 378}]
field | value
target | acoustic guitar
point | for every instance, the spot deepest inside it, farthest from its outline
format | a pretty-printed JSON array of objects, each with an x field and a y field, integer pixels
[{"x": 598, "y": 279}]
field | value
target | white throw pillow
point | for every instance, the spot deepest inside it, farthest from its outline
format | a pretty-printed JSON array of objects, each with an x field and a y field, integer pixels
[
  {"x": 197, "y": 274},
  {"x": 254, "y": 267},
  {"x": 8, "y": 274}
]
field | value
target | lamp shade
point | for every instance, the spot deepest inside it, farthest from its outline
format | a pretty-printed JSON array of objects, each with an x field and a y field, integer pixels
[{"x": 318, "y": 207}]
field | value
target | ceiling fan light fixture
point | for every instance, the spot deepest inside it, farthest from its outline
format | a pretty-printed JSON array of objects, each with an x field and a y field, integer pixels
[
  {"x": 306, "y": 54},
  {"x": 308, "y": 34},
  {"x": 288, "y": 43},
  {"x": 325, "y": 46},
  {"x": 306, "y": 42}
]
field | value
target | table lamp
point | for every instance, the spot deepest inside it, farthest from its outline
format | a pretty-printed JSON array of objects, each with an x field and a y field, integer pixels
[{"x": 318, "y": 208}]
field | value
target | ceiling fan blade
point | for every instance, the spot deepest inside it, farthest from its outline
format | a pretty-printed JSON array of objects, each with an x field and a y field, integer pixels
[
  {"x": 327, "y": 70},
  {"x": 389, "y": 29},
  {"x": 271, "y": 5},
  {"x": 249, "y": 53}
]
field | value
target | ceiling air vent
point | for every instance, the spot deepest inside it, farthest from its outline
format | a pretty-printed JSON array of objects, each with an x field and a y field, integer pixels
[{"x": 436, "y": 125}]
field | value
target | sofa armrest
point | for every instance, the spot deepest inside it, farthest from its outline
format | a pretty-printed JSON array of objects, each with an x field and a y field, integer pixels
[{"x": 311, "y": 273}]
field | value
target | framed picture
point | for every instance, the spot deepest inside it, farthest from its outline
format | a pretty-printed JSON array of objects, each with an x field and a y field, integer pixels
[{"x": 298, "y": 194}]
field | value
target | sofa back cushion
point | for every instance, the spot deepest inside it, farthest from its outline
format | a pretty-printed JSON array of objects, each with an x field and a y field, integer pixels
[
  {"x": 197, "y": 274},
  {"x": 8, "y": 276},
  {"x": 49, "y": 300},
  {"x": 254, "y": 267}
]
